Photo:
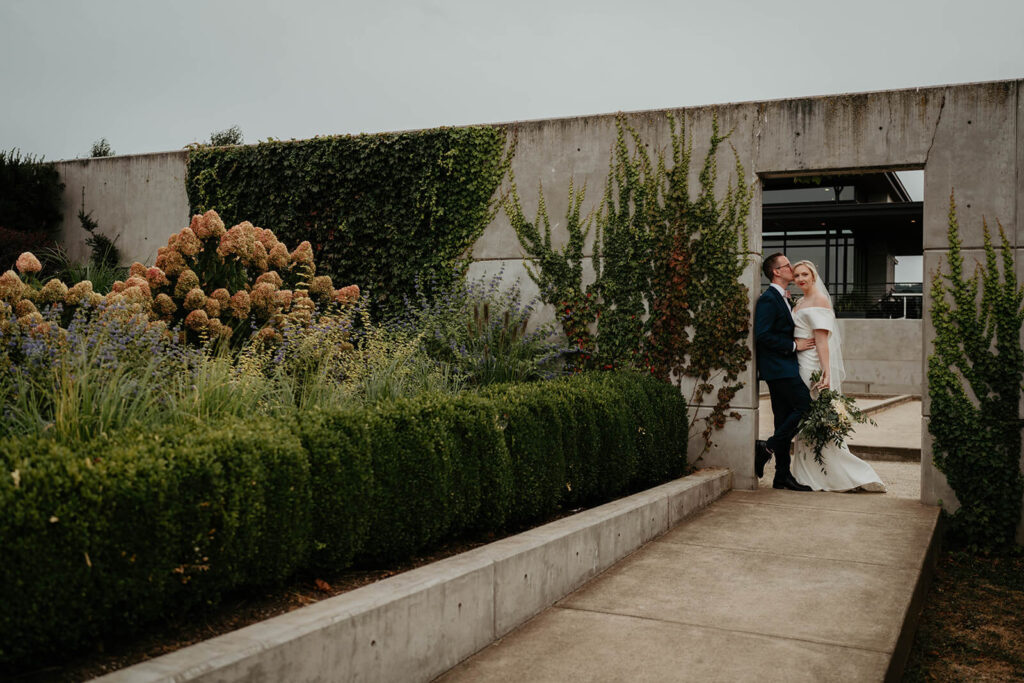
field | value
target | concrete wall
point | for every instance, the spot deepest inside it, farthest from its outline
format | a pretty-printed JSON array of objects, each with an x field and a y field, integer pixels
[
  {"x": 138, "y": 200},
  {"x": 968, "y": 138},
  {"x": 882, "y": 356}
]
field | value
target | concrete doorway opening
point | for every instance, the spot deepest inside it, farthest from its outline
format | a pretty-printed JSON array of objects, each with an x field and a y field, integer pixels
[{"x": 864, "y": 232}]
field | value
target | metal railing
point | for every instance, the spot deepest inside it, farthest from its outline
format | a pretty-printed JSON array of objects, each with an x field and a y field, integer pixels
[{"x": 877, "y": 300}]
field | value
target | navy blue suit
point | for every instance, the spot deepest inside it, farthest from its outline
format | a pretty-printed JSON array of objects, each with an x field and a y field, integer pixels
[{"x": 777, "y": 365}]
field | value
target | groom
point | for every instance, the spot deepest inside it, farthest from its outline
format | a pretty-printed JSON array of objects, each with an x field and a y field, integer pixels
[{"x": 777, "y": 365}]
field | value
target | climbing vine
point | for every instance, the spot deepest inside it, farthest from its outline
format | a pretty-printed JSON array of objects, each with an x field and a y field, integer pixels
[
  {"x": 667, "y": 295},
  {"x": 977, "y": 435},
  {"x": 379, "y": 210}
]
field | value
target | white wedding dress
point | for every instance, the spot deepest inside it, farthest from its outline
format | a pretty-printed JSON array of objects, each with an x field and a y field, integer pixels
[{"x": 844, "y": 470}]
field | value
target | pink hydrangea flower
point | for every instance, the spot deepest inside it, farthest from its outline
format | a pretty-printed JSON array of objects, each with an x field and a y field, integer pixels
[
  {"x": 262, "y": 298},
  {"x": 164, "y": 305},
  {"x": 188, "y": 243},
  {"x": 53, "y": 291},
  {"x": 78, "y": 293},
  {"x": 11, "y": 287},
  {"x": 140, "y": 283},
  {"x": 187, "y": 281},
  {"x": 156, "y": 278},
  {"x": 194, "y": 299},
  {"x": 212, "y": 307},
  {"x": 171, "y": 262},
  {"x": 221, "y": 295},
  {"x": 137, "y": 270},
  {"x": 272, "y": 277},
  {"x": 278, "y": 257},
  {"x": 23, "y": 308},
  {"x": 303, "y": 254},
  {"x": 197, "y": 320},
  {"x": 321, "y": 287},
  {"x": 28, "y": 263},
  {"x": 240, "y": 305},
  {"x": 347, "y": 295}
]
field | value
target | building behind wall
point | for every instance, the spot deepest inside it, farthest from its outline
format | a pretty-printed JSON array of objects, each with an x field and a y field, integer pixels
[{"x": 854, "y": 228}]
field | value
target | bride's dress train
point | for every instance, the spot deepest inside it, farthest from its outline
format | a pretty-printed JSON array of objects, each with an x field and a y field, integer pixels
[{"x": 844, "y": 470}]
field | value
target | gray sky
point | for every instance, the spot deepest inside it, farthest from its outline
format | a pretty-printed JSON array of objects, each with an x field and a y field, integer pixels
[{"x": 154, "y": 76}]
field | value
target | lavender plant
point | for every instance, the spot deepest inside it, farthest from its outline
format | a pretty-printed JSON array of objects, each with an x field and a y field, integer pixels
[{"x": 479, "y": 330}]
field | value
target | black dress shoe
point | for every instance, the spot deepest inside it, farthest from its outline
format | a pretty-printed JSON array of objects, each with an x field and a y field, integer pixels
[
  {"x": 762, "y": 454},
  {"x": 789, "y": 483}
]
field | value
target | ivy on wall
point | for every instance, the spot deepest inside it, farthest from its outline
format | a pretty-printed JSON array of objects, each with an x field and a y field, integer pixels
[
  {"x": 379, "y": 210},
  {"x": 977, "y": 349},
  {"x": 667, "y": 295}
]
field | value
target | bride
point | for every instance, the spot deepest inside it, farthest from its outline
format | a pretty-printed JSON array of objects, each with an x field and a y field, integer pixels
[{"x": 815, "y": 319}]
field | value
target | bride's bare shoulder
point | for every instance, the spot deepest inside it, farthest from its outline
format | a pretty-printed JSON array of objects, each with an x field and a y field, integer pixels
[{"x": 818, "y": 301}]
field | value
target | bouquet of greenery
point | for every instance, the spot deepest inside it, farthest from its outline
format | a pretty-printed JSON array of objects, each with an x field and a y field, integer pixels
[{"x": 830, "y": 418}]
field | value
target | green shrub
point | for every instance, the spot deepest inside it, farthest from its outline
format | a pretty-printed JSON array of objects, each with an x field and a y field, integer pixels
[
  {"x": 533, "y": 430},
  {"x": 341, "y": 481},
  {"x": 97, "y": 542},
  {"x": 132, "y": 527}
]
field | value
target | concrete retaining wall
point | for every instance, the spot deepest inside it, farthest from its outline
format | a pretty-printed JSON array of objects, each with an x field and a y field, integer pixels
[{"x": 417, "y": 625}]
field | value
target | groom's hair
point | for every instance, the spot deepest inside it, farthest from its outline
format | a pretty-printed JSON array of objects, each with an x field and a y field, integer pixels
[{"x": 769, "y": 263}]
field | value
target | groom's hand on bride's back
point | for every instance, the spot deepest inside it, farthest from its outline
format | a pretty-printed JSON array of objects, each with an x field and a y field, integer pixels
[{"x": 802, "y": 344}]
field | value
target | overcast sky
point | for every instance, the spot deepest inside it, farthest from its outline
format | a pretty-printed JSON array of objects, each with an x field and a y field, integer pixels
[{"x": 155, "y": 76}]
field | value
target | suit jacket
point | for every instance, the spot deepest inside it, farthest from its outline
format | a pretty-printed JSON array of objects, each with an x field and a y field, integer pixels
[{"x": 773, "y": 337}]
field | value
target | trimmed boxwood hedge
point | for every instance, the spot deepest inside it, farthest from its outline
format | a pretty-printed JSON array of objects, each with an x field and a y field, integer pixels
[{"x": 141, "y": 525}]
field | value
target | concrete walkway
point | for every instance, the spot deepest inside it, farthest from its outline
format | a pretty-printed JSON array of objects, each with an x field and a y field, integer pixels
[{"x": 762, "y": 585}]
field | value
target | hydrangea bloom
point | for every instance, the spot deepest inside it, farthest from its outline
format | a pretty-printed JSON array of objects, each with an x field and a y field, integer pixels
[
  {"x": 347, "y": 295},
  {"x": 164, "y": 305},
  {"x": 321, "y": 288},
  {"x": 278, "y": 256},
  {"x": 194, "y": 299},
  {"x": 222, "y": 296},
  {"x": 11, "y": 287},
  {"x": 212, "y": 307},
  {"x": 24, "y": 307},
  {"x": 52, "y": 292},
  {"x": 240, "y": 305},
  {"x": 139, "y": 283},
  {"x": 303, "y": 254},
  {"x": 28, "y": 263},
  {"x": 156, "y": 278},
  {"x": 187, "y": 281},
  {"x": 78, "y": 293},
  {"x": 262, "y": 299},
  {"x": 188, "y": 244},
  {"x": 272, "y": 277},
  {"x": 197, "y": 320},
  {"x": 171, "y": 262}
]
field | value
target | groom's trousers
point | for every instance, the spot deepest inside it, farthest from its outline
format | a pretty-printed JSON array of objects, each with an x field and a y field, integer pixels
[{"x": 790, "y": 400}]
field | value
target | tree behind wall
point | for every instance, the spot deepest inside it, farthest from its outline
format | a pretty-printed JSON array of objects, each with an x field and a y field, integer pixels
[
  {"x": 230, "y": 136},
  {"x": 101, "y": 148},
  {"x": 30, "y": 200}
]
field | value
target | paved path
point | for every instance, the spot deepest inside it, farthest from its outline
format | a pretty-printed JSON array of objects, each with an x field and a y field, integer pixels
[{"x": 762, "y": 585}]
